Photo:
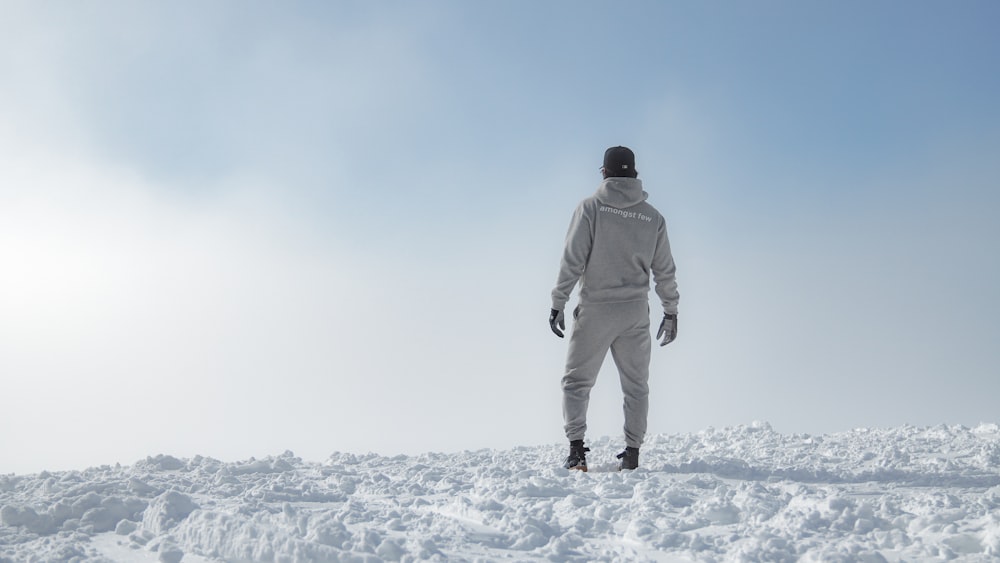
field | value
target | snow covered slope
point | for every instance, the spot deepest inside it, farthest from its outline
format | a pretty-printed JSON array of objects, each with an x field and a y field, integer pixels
[{"x": 744, "y": 493}]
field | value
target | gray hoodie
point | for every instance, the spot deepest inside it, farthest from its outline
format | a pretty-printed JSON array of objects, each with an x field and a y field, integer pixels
[{"x": 615, "y": 240}]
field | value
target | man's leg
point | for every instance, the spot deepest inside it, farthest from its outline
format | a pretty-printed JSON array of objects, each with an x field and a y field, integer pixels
[
  {"x": 588, "y": 346},
  {"x": 631, "y": 352}
]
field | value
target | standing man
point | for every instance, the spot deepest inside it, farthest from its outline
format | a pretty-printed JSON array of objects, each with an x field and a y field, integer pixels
[{"x": 615, "y": 241}]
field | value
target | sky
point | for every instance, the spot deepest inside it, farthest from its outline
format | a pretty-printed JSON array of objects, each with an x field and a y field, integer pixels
[{"x": 232, "y": 229}]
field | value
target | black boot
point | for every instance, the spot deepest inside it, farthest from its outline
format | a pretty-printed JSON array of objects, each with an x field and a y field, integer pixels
[
  {"x": 629, "y": 458},
  {"x": 577, "y": 456}
]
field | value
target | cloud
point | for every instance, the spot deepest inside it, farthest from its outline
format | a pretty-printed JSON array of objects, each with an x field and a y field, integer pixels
[
  {"x": 195, "y": 95},
  {"x": 122, "y": 303},
  {"x": 141, "y": 319},
  {"x": 257, "y": 306}
]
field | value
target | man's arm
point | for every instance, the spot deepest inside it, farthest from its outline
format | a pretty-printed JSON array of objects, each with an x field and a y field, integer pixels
[
  {"x": 665, "y": 283},
  {"x": 579, "y": 241}
]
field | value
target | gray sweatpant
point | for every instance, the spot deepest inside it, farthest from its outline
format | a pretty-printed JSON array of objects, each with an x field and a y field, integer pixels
[{"x": 624, "y": 329}]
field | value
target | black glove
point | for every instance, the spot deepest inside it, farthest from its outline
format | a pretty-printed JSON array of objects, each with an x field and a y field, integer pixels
[
  {"x": 557, "y": 322},
  {"x": 668, "y": 329}
]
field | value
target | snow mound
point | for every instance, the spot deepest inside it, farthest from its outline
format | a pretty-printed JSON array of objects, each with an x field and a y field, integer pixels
[{"x": 742, "y": 493}]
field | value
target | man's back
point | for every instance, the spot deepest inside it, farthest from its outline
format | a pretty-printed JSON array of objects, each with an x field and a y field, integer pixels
[{"x": 615, "y": 240}]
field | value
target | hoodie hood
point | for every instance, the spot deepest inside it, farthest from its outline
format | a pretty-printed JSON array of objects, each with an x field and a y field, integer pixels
[{"x": 621, "y": 192}]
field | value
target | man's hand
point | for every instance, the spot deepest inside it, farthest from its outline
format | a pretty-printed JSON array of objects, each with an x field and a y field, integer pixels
[
  {"x": 668, "y": 329},
  {"x": 557, "y": 323}
]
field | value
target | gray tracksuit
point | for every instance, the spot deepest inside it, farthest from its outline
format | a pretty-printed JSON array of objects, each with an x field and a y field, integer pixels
[{"x": 615, "y": 241}]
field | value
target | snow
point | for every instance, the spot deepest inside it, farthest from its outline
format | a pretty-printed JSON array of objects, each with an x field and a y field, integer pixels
[{"x": 745, "y": 493}]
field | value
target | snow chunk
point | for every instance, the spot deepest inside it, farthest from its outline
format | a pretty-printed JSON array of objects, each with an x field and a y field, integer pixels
[
  {"x": 171, "y": 554},
  {"x": 40, "y": 524},
  {"x": 105, "y": 517},
  {"x": 991, "y": 429},
  {"x": 389, "y": 550},
  {"x": 162, "y": 462},
  {"x": 166, "y": 511},
  {"x": 253, "y": 466},
  {"x": 125, "y": 527}
]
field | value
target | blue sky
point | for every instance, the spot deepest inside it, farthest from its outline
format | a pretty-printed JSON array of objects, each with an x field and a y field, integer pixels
[{"x": 233, "y": 229}]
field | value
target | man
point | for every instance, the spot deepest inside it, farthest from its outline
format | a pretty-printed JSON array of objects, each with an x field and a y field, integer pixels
[{"x": 615, "y": 241}]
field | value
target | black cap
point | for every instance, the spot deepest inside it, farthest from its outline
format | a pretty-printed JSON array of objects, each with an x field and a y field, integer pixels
[{"x": 619, "y": 162}]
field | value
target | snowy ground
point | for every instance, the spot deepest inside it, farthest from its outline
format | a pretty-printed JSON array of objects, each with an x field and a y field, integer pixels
[{"x": 746, "y": 493}]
